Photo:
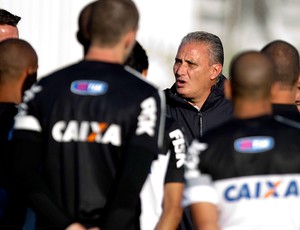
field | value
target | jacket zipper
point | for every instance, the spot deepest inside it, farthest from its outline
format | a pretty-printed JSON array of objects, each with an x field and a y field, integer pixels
[{"x": 201, "y": 123}]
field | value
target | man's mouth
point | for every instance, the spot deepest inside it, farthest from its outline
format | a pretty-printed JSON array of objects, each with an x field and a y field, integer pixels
[{"x": 180, "y": 83}]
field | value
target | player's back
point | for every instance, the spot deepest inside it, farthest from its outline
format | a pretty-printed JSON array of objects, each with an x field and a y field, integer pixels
[
  {"x": 91, "y": 113},
  {"x": 255, "y": 168}
]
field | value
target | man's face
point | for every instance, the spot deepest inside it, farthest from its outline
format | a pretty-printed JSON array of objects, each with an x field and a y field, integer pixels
[
  {"x": 298, "y": 94},
  {"x": 8, "y": 31},
  {"x": 193, "y": 71}
]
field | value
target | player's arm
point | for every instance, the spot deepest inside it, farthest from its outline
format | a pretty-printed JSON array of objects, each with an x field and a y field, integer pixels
[
  {"x": 199, "y": 194},
  {"x": 205, "y": 216},
  {"x": 174, "y": 180},
  {"x": 124, "y": 197},
  {"x": 172, "y": 209},
  {"x": 27, "y": 149}
]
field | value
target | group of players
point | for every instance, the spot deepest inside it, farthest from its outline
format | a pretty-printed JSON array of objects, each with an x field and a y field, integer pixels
[{"x": 95, "y": 146}]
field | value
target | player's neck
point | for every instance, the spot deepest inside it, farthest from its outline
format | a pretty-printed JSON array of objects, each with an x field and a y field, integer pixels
[
  {"x": 110, "y": 55},
  {"x": 283, "y": 94},
  {"x": 284, "y": 97},
  {"x": 10, "y": 94},
  {"x": 249, "y": 109}
]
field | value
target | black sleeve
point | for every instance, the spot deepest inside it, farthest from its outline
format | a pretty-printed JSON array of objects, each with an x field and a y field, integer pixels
[
  {"x": 174, "y": 173},
  {"x": 26, "y": 162},
  {"x": 176, "y": 146},
  {"x": 124, "y": 201}
]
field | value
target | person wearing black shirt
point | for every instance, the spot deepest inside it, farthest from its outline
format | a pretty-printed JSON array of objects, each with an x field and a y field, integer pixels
[
  {"x": 86, "y": 135},
  {"x": 196, "y": 100}
]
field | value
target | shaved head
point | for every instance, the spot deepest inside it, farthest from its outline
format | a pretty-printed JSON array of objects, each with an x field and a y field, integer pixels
[
  {"x": 286, "y": 59},
  {"x": 16, "y": 56},
  {"x": 251, "y": 76}
]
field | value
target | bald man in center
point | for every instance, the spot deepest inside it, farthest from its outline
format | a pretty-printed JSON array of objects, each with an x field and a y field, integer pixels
[{"x": 245, "y": 174}]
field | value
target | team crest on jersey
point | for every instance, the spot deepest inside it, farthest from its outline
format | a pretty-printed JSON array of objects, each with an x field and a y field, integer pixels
[
  {"x": 256, "y": 144},
  {"x": 89, "y": 87}
]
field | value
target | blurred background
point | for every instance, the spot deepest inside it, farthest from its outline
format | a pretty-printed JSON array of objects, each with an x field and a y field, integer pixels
[{"x": 50, "y": 27}]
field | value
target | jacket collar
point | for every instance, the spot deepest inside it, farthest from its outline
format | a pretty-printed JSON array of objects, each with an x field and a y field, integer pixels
[{"x": 217, "y": 92}]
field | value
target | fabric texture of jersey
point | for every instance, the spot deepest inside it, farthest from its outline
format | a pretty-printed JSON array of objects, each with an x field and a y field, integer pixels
[
  {"x": 12, "y": 207},
  {"x": 251, "y": 170},
  {"x": 91, "y": 120},
  {"x": 7, "y": 113}
]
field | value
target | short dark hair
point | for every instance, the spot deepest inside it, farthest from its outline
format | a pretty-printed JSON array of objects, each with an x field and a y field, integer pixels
[
  {"x": 216, "y": 48},
  {"x": 138, "y": 58},
  {"x": 7, "y": 18},
  {"x": 110, "y": 19}
]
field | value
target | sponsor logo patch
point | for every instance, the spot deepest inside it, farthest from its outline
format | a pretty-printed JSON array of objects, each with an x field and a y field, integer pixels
[
  {"x": 261, "y": 190},
  {"x": 147, "y": 118},
  {"x": 256, "y": 144},
  {"x": 179, "y": 147},
  {"x": 89, "y": 87},
  {"x": 87, "y": 131}
]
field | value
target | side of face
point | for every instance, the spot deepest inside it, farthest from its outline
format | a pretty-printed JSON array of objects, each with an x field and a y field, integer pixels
[
  {"x": 297, "y": 100},
  {"x": 8, "y": 31},
  {"x": 193, "y": 73}
]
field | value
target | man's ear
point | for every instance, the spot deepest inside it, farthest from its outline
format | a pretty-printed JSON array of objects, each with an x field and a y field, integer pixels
[
  {"x": 216, "y": 71},
  {"x": 276, "y": 86},
  {"x": 129, "y": 42},
  {"x": 227, "y": 89}
]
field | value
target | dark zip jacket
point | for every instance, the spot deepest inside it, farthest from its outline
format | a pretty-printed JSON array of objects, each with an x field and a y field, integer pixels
[{"x": 215, "y": 110}]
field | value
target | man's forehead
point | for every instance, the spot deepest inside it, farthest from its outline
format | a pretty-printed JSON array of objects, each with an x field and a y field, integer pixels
[
  {"x": 193, "y": 50},
  {"x": 8, "y": 31}
]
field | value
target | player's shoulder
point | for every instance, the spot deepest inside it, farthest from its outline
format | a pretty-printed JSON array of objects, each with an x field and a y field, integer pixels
[
  {"x": 55, "y": 79},
  {"x": 139, "y": 79},
  {"x": 287, "y": 127},
  {"x": 288, "y": 123},
  {"x": 222, "y": 130}
]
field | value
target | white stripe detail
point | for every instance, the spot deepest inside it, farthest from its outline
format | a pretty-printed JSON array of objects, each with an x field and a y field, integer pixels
[
  {"x": 201, "y": 193},
  {"x": 162, "y": 122},
  {"x": 27, "y": 123}
]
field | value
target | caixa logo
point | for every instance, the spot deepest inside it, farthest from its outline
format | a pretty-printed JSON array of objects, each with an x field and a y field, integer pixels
[
  {"x": 87, "y": 131},
  {"x": 261, "y": 190}
]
